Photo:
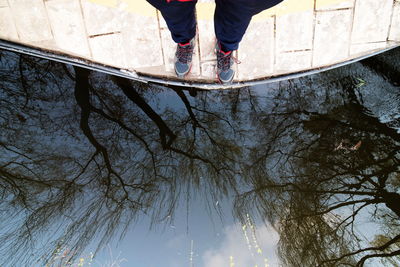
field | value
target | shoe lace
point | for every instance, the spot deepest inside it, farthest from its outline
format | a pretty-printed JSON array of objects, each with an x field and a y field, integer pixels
[
  {"x": 224, "y": 60},
  {"x": 184, "y": 53}
]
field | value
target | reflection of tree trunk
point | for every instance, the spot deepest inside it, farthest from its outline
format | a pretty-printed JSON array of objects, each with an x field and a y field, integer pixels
[
  {"x": 131, "y": 93},
  {"x": 82, "y": 98},
  {"x": 186, "y": 102},
  {"x": 392, "y": 201}
]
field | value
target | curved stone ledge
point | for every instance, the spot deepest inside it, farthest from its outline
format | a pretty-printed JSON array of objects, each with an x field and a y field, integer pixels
[{"x": 294, "y": 37}]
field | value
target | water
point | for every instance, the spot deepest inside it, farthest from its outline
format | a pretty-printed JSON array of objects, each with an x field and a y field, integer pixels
[{"x": 298, "y": 173}]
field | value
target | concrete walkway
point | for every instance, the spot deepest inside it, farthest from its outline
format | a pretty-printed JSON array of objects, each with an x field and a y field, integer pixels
[{"x": 296, "y": 35}]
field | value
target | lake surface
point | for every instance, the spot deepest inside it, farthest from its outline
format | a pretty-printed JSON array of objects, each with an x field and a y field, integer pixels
[{"x": 101, "y": 171}]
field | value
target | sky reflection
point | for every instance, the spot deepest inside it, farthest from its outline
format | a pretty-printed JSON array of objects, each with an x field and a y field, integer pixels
[{"x": 300, "y": 173}]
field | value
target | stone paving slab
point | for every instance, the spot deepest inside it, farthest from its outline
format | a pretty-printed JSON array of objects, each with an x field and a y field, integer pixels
[
  {"x": 371, "y": 20},
  {"x": 3, "y": 3},
  {"x": 137, "y": 49},
  {"x": 257, "y": 57},
  {"x": 295, "y": 31},
  {"x": 321, "y": 5},
  {"x": 30, "y": 17},
  {"x": 108, "y": 49},
  {"x": 7, "y": 26},
  {"x": 101, "y": 19},
  {"x": 331, "y": 40},
  {"x": 207, "y": 36},
  {"x": 357, "y": 49},
  {"x": 394, "y": 34},
  {"x": 293, "y": 61},
  {"x": 294, "y": 36},
  {"x": 168, "y": 45},
  {"x": 68, "y": 29}
]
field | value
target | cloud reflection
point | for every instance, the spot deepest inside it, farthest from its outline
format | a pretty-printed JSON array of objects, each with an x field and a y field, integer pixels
[{"x": 239, "y": 248}]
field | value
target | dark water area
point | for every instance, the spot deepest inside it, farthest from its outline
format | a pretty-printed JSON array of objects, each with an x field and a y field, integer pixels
[{"x": 96, "y": 170}]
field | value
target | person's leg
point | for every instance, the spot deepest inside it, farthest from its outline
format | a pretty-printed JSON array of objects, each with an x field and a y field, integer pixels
[
  {"x": 232, "y": 18},
  {"x": 180, "y": 18},
  {"x": 181, "y": 21}
]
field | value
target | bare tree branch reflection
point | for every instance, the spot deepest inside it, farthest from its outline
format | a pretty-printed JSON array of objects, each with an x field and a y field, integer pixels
[
  {"x": 84, "y": 155},
  {"x": 86, "y": 173},
  {"x": 316, "y": 177}
]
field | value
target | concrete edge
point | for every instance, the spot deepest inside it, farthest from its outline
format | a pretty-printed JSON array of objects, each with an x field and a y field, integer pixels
[{"x": 128, "y": 74}]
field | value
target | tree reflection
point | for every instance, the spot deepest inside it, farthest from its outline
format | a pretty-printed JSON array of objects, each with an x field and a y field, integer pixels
[
  {"x": 84, "y": 155},
  {"x": 87, "y": 171},
  {"x": 327, "y": 175}
]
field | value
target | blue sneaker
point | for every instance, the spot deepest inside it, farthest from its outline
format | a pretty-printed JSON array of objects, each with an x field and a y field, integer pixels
[
  {"x": 183, "y": 58},
  {"x": 225, "y": 61}
]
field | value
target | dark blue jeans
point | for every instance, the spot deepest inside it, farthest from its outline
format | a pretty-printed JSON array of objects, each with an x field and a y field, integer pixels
[{"x": 231, "y": 19}]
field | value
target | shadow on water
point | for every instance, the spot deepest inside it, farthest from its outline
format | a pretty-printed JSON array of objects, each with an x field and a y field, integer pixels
[{"x": 85, "y": 155}]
